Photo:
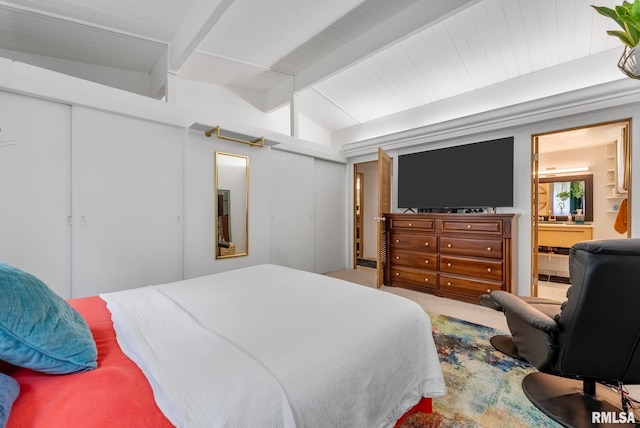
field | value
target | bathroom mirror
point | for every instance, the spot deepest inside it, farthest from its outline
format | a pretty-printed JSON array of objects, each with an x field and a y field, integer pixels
[
  {"x": 232, "y": 205},
  {"x": 560, "y": 196}
]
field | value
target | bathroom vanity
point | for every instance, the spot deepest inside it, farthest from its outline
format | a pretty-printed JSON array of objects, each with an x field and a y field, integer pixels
[{"x": 563, "y": 235}]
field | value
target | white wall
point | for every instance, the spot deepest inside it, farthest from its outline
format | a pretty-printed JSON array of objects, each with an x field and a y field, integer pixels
[
  {"x": 223, "y": 106},
  {"x": 501, "y": 125},
  {"x": 139, "y": 176}
]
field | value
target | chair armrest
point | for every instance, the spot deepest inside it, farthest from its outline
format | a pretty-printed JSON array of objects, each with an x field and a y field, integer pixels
[
  {"x": 532, "y": 331},
  {"x": 524, "y": 311}
]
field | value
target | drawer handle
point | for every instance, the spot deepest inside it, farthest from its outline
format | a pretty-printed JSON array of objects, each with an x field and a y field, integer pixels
[
  {"x": 397, "y": 241},
  {"x": 488, "y": 290},
  {"x": 397, "y": 257},
  {"x": 488, "y": 248},
  {"x": 449, "y": 264},
  {"x": 426, "y": 262},
  {"x": 426, "y": 280},
  {"x": 468, "y": 226},
  {"x": 448, "y": 282},
  {"x": 410, "y": 224},
  {"x": 448, "y": 245},
  {"x": 426, "y": 244},
  {"x": 488, "y": 269},
  {"x": 397, "y": 273}
]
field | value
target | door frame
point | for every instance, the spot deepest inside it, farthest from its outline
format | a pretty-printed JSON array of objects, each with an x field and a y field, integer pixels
[{"x": 535, "y": 150}]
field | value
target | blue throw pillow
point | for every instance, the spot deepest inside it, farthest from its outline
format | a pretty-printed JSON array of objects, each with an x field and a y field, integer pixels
[
  {"x": 9, "y": 389},
  {"x": 38, "y": 329}
]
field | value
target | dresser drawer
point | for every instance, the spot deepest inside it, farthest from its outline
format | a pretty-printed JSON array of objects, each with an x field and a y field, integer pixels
[
  {"x": 428, "y": 225},
  {"x": 415, "y": 242},
  {"x": 413, "y": 259},
  {"x": 482, "y": 268},
  {"x": 473, "y": 287},
  {"x": 475, "y": 226},
  {"x": 418, "y": 277},
  {"x": 472, "y": 247}
]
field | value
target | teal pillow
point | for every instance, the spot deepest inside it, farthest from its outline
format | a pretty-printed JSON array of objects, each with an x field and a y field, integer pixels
[
  {"x": 9, "y": 389},
  {"x": 38, "y": 329}
]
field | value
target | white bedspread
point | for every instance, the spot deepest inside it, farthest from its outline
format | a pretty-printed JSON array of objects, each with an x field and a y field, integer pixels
[{"x": 268, "y": 346}]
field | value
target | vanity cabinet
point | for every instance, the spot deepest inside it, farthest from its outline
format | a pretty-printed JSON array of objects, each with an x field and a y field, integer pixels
[
  {"x": 563, "y": 235},
  {"x": 459, "y": 256}
]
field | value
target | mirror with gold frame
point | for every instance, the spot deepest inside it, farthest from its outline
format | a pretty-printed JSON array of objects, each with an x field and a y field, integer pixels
[{"x": 232, "y": 205}]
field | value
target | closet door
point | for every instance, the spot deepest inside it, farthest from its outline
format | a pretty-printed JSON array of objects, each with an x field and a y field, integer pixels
[
  {"x": 330, "y": 186},
  {"x": 292, "y": 208},
  {"x": 127, "y": 202},
  {"x": 35, "y": 188}
]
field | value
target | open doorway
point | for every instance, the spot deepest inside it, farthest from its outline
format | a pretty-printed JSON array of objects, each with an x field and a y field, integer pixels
[
  {"x": 365, "y": 203},
  {"x": 580, "y": 191}
]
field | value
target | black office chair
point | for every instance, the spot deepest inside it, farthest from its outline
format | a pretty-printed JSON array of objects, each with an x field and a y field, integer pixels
[{"x": 593, "y": 341}]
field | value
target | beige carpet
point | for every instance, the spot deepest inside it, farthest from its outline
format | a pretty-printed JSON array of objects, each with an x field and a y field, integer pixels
[{"x": 432, "y": 304}]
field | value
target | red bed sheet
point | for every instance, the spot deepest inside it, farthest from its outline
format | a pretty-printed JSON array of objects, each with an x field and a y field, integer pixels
[{"x": 116, "y": 394}]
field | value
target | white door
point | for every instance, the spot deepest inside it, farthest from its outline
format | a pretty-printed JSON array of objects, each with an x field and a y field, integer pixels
[
  {"x": 35, "y": 188},
  {"x": 292, "y": 208},
  {"x": 127, "y": 202},
  {"x": 330, "y": 216}
]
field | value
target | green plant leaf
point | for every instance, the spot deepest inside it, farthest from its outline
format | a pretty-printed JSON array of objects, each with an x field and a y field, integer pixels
[
  {"x": 609, "y": 13},
  {"x": 632, "y": 27},
  {"x": 627, "y": 16},
  {"x": 635, "y": 10},
  {"x": 623, "y": 10},
  {"x": 624, "y": 37}
]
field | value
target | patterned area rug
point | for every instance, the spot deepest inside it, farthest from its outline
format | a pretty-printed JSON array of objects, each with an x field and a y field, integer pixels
[{"x": 483, "y": 385}]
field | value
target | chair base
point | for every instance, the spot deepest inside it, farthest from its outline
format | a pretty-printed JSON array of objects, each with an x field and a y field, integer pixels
[
  {"x": 505, "y": 344},
  {"x": 565, "y": 401}
]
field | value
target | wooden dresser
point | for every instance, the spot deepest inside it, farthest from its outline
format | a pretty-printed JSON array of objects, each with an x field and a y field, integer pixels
[{"x": 459, "y": 256}]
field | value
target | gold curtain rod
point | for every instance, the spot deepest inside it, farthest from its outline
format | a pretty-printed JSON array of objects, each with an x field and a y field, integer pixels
[{"x": 259, "y": 142}]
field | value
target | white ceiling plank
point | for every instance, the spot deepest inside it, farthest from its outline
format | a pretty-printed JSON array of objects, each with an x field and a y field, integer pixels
[
  {"x": 458, "y": 74},
  {"x": 583, "y": 24},
  {"x": 566, "y": 31},
  {"x": 416, "y": 17},
  {"x": 513, "y": 16},
  {"x": 532, "y": 32},
  {"x": 421, "y": 69},
  {"x": 548, "y": 23},
  {"x": 193, "y": 29},
  {"x": 488, "y": 38},
  {"x": 435, "y": 67},
  {"x": 504, "y": 43},
  {"x": 469, "y": 46},
  {"x": 417, "y": 89}
]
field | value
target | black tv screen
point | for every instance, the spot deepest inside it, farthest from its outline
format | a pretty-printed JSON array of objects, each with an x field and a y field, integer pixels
[{"x": 477, "y": 175}]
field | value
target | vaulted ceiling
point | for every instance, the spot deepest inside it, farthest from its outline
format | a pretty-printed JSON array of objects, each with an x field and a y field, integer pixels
[{"x": 347, "y": 61}]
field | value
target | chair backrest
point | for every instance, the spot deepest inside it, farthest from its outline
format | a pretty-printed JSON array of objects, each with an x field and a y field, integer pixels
[{"x": 599, "y": 325}]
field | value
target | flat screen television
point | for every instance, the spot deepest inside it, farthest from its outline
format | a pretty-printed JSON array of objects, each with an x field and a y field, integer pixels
[{"x": 477, "y": 175}]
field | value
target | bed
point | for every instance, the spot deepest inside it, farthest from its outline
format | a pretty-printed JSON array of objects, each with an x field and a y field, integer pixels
[{"x": 259, "y": 346}]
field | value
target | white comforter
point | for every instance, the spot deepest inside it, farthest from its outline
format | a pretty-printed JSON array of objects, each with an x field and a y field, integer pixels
[{"x": 268, "y": 346}]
